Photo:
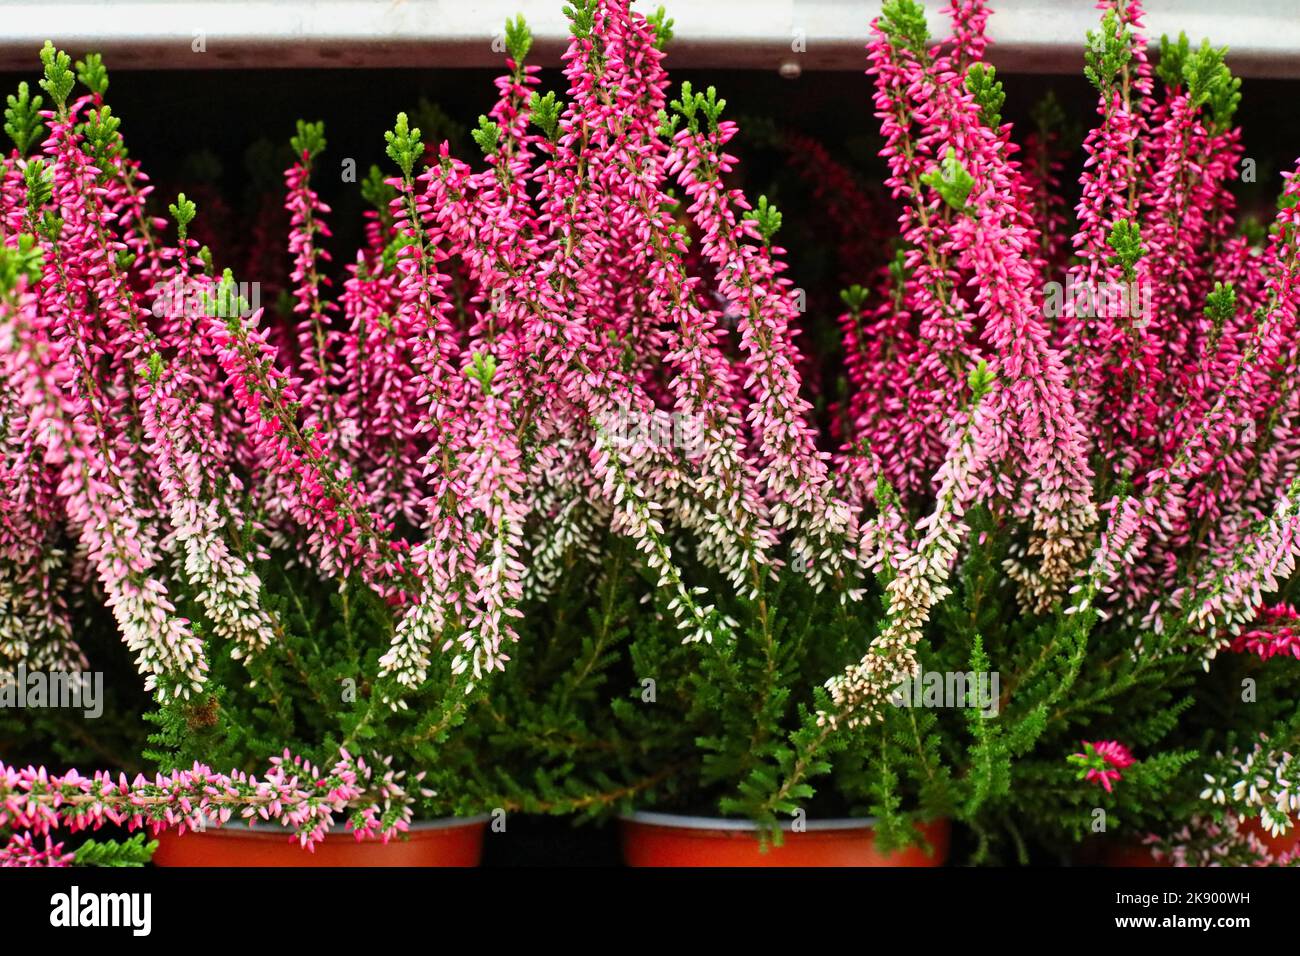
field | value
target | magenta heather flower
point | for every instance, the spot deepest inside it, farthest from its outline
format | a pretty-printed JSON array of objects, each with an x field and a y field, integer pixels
[
  {"x": 319, "y": 342},
  {"x": 1275, "y": 631},
  {"x": 980, "y": 234},
  {"x": 1102, "y": 762},
  {"x": 794, "y": 474},
  {"x": 343, "y": 533}
]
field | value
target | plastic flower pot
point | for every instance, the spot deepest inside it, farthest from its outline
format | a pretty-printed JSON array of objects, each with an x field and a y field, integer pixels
[
  {"x": 450, "y": 842},
  {"x": 664, "y": 839}
]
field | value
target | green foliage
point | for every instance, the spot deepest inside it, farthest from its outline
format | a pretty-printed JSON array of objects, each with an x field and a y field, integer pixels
[
  {"x": 951, "y": 181},
  {"x": 1211, "y": 84},
  {"x": 899, "y": 271},
  {"x": 131, "y": 852},
  {"x": 50, "y": 225},
  {"x": 309, "y": 141},
  {"x": 1172, "y": 59},
  {"x": 692, "y": 106},
  {"x": 604, "y": 709},
  {"x": 668, "y": 124},
  {"x": 855, "y": 298},
  {"x": 22, "y": 119},
  {"x": 404, "y": 146},
  {"x": 376, "y": 191},
  {"x": 1125, "y": 241},
  {"x": 22, "y": 260},
  {"x": 767, "y": 217},
  {"x": 519, "y": 39},
  {"x": 980, "y": 380},
  {"x": 487, "y": 136},
  {"x": 154, "y": 369},
  {"x": 582, "y": 17},
  {"x": 903, "y": 22},
  {"x": 482, "y": 369},
  {"x": 58, "y": 79},
  {"x": 226, "y": 301},
  {"x": 1221, "y": 304},
  {"x": 93, "y": 74},
  {"x": 103, "y": 141},
  {"x": 663, "y": 27},
  {"x": 394, "y": 248},
  {"x": 317, "y": 688},
  {"x": 544, "y": 112},
  {"x": 1108, "y": 52},
  {"x": 981, "y": 82}
]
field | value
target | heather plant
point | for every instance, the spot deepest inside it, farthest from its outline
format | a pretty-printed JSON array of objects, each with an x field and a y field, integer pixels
[
  {"x": 143, "y": 470},
  {"x": 526, "y": 508},
  {"x": 288, "y": 528},
  {"x": 1088, "y": 498},
  {"x": 1135, "y": 493}
]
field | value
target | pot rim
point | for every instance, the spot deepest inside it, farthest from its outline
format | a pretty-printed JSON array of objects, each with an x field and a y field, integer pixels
[
  {"x": 686, "y": 822},
  {"x": 267, "y": 827}
]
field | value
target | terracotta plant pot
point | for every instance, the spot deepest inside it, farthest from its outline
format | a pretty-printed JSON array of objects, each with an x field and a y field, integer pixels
[
  {"x": 664, "y": 839},
  {"x": 452, "y": 842}
]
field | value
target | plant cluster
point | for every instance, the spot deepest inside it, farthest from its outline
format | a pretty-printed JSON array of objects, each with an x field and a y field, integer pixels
[{"x": 527, "y": 506}]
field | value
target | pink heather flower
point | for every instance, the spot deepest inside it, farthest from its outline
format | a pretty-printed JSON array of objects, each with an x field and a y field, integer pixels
[
  {"x": 990, "y": 245},
  {"x": 177, "y": 428},
  {"x": 293, "y": 794},
  {"x": 45, "y": 372},
  {"x": 794, "y": 472},
  {"x": 969, "y": 18},
  {"x": 528, "y": 354},
  {"x": 22, "y": 850},
  {"x": 319, "y": 343},
  {"x": 906, "y": 353},
  {"x": 1102, "y": 761},
  {"x": 1109, "y": 196},
  {"x": 379, "y": 402},
  {"x": 343, "y": 531},
  {"x": 35, "y": 626},
  {"x": 920, "y": 580}
]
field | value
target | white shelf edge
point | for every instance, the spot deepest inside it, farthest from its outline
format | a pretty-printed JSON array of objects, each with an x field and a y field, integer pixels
[{"x": 1028, "y": 35}]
